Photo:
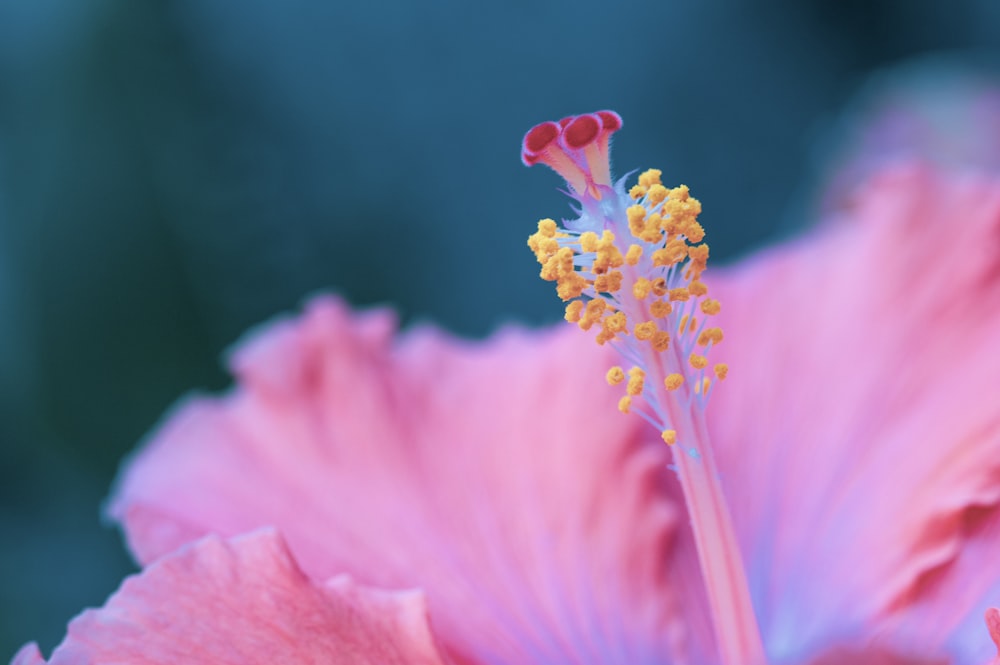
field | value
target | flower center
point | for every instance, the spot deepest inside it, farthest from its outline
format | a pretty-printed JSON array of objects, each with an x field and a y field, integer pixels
[{"x": 630, "y": 267}]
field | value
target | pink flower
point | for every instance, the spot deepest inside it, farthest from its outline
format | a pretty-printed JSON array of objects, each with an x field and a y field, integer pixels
[{"x": 843, "y": 486}]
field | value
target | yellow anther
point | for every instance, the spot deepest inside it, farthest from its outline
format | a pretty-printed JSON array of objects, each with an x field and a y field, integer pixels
[
  {"x": 694, "y": 232},
  {"x": 661, "y": 340},
  {"x": 592, "y": 313},
  {"x": 698, "y": 361},
  {"x": 710, "y": 335},
  {"x": 697, "y": 288},
  {"x": 616, "y": 375},
  {"x": 571, "y": 286},
  {"x": 588, "y": 241},
  {"x": 608, "y": 283},
  {"x": 711, "y": 307},
  {"x": 721, "y": 370},
  {"x": 611, "y": 326},
  {"x": 645, "y": 331},
  {"x": 573, "y": 311},
  {"x": 670, "y": 254},
  {"x": 636, "y": 220},
  {"x": 703, "y": 385},
  {"x": 669, "y": 436},
  {"x": 680, "y": 193},
  {"x": 683, "y": 324},
  {"x": 651, "y": 231},
  {"x": 608, "y": 254},
  {"x": 637, "y": 192},
  {"x": 673, "y": 381},
  {"x": 635, "y": 214},
  {"x": 641, "y": 288},
  {"x": 659, "y": 286},
  {"x": 698, "y": 253},
  {"x": 633, "y": 254},
  {"x": 636, "y": 381},
  {"x": 543, "y": 246},
  {"x": 559, "y": 264},
  {"x": 693, "y": 324},
  {"x": 656, "y": 194},
  {"x": 624, "y": 403},
  {"x": 650, "y": 177},
  {"x": 616, "y": 322},
  {"x": 679, "y": 294},
  {"x": 547, "y": 227},
  {"x": 660, "y": 308}
]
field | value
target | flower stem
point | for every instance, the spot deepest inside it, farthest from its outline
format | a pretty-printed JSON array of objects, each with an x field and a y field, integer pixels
[{"x": 737, "y": 633}]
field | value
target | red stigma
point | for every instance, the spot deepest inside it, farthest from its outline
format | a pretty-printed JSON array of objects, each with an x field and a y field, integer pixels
[
  {"x": 576, "y": 148},
  {"x": 581, "y": 131}
]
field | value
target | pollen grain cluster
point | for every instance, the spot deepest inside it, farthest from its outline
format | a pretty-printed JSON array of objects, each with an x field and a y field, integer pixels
[{"x": 630, "y": 267}]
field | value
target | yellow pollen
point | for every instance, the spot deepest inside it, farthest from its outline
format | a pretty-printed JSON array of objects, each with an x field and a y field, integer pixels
[
  {"x": 650, "y": 177},
  {"x": 697, "y": 288},
  {"x": 558, "y": 265},
  {"x": 636, "y": 381},
  {"x": 660, "y": 308},
  {"x": 611, "y": 326},
  {"x": 698, "y": 253},
  {"x": 669, "y": 436},
  {"x": 608, "y": 254},
  {"x": 645, "y": 331},
  {"x": 570, "y": 286},
  {"x": 573, "y": 311},
  {"x": 592, "y": 313},
  {"x": 679, "y": 294},
  {"x": 710, "y": 335},
  {"x": 661, "y": 340},
  {"x": 656, "y": 194},
  {"x": 665, "y": 233},
  {"x": 641, "y": 288},
  {"x": 588, "y": 241},
  {"x": 608, "y": 283},
  {"x": 636, "y": 219},
  {"x": 711, "y": 307},
  {"x": 547, "y": 227},
  {"x": 651, "y": 231},
  {"x": 672, "y": 253},
  {"x": 694, "y": 232}
]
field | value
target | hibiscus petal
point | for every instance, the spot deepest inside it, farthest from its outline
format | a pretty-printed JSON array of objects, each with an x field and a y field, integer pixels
[
  {"x": 497, "y": 476},
  {"x": 242, "y": 602},
  {"x": 860, "y": 424}
]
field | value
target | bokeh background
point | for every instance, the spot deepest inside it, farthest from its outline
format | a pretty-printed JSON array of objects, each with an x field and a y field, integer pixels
[{"x": 174, "y": 172}]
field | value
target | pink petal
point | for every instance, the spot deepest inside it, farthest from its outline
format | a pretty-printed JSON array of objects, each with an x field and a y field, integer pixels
[
  {"x": 242, "y": 602},
  {"x": 28, "y": 655},
  {"x": 497, "y": 476},
  {"x": 860, "y": 425}
]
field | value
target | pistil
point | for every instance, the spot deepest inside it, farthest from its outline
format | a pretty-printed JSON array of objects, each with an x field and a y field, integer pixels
[{"x": 630, "y": 268}]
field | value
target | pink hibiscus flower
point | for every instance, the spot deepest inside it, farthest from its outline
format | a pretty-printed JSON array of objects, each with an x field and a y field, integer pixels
[{"x": 361, "y": 497}]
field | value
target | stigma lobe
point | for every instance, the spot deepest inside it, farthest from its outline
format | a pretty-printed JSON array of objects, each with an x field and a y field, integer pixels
[{"x": 576, "y": 148}]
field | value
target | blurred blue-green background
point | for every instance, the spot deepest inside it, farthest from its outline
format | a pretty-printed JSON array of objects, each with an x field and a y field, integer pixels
[{"x": 173, "y": 172}]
